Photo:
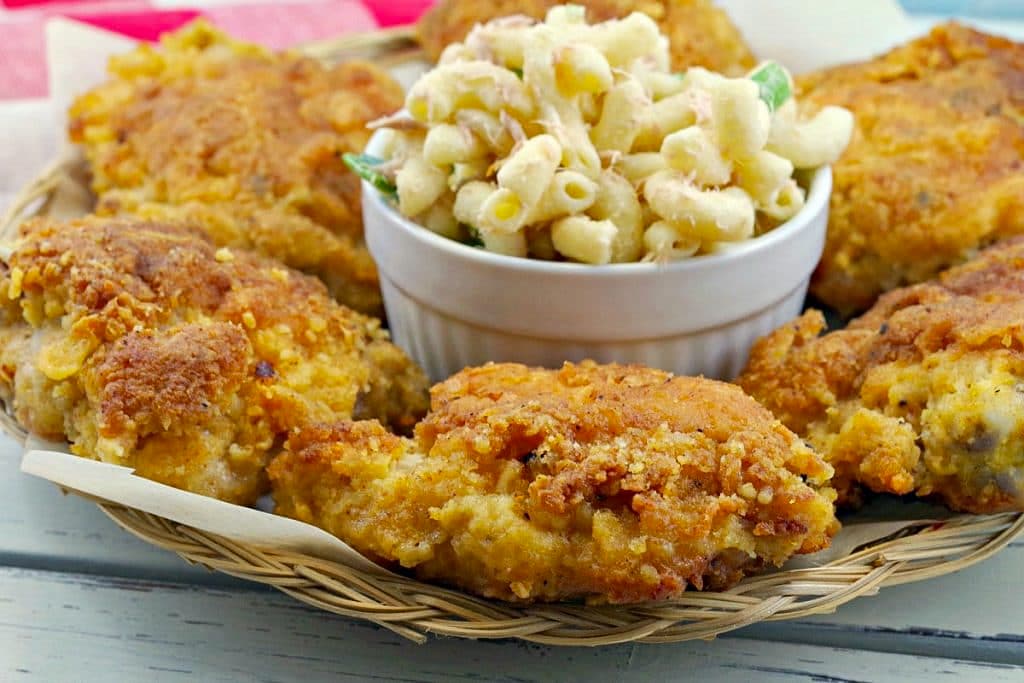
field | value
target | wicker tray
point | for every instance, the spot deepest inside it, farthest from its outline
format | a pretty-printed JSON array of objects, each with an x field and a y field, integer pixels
[{"x": 414, "y": 609}]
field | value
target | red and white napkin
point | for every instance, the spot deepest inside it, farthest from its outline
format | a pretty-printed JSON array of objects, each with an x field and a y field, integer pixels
[{"x": 275, "y": 24}]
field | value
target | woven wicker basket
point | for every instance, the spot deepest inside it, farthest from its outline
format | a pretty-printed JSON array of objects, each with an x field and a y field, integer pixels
[{"x": 413, "y": 609}]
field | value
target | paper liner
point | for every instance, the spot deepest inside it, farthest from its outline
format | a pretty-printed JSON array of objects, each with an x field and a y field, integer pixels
[
  {"x": 805, "y": 35},
  {"x": 246, "y": 525}
]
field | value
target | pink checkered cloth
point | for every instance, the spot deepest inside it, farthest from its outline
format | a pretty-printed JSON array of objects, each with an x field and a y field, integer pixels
[{"x": 275, "y": 24}]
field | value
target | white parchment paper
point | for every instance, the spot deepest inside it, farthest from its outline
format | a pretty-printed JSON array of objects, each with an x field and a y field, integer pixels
[
  {"x": 244, "y": 525},
  {"x": 805, "y": 35}
]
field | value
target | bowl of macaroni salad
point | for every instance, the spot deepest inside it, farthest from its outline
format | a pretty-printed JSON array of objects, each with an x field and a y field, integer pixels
[{"x": 552, "y": 191}]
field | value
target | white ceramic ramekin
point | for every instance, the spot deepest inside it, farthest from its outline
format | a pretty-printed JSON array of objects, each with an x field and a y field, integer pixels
[{"x": 450, "y": 305}]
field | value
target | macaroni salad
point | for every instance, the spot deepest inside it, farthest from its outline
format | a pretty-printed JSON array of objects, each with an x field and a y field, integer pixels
[{"x": 563, "y": 140}]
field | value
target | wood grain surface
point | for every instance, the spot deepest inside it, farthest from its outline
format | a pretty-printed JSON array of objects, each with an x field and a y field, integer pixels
[
  {"x": 111, "y": 629},
  {"x": 72, "y": 582}
]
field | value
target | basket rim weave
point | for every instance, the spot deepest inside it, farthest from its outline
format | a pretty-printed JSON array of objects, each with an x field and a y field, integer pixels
[{"x": 413, "y": 609}]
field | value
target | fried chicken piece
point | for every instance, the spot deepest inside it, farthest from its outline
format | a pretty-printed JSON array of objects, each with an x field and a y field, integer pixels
[
  {"x": 604, "y": 482},
  {"x": 924, "y": 394},
  {"x": 935, "y": 169},
  {"x": 209, "y": 131},
  {"x": 699, "y": 33},
  {"x": 146, "y": 346}
]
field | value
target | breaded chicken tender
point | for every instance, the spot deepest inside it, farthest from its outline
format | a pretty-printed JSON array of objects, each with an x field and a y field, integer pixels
[
  {"x": 209, "y": 131},
  {"x": 699, "y": 33},
  {"x": 606, "y": 483},
  {"x": 924, "y": 394},
  {"x": 935, "y": 169},
  {"x": 146, "y": 346}
]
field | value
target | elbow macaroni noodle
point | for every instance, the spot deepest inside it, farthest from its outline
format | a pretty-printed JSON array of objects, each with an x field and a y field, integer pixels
[{"x": 560, "y": 139}]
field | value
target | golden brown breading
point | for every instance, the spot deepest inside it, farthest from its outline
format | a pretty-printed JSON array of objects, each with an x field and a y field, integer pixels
[
  {"x": 213, "y": 132},
  {"x": 146, "y": 346},
  {"x": 699, "y": 33},
  {"x": 935, "y": 169},
  {"x": 609, "y": 483},
  {"x": 924, "y": 394}
]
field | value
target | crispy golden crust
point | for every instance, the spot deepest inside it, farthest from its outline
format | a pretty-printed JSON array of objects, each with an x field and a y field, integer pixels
[
  {"x": 608, "y": 483},
  {"x": 923, "y": 394},
  {"x": 699, "y": 33},
  {"x": 146, "y": 346},
  {"x": 934, "y": 170},
  {"x": 212, "y": 132}
]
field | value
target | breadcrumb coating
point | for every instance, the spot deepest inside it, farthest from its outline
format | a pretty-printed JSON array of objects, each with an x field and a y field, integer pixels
[
  {"x": 699, "y": 33},
  {"x": 935, "y": 169},
  {"x": 599, "y": 482},
  {"x": 145, "y": 345},
  {"x": 214, "y": 132},
  {"x": 924, "y": 394}
]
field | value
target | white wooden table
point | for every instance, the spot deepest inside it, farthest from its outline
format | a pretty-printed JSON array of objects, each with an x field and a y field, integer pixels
[{"x": 81, "y": 600}]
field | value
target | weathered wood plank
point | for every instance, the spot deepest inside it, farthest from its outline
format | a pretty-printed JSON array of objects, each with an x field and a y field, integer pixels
[
  {"x": 973, "y": 614},
  {"x": 58, "y": 626}
]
